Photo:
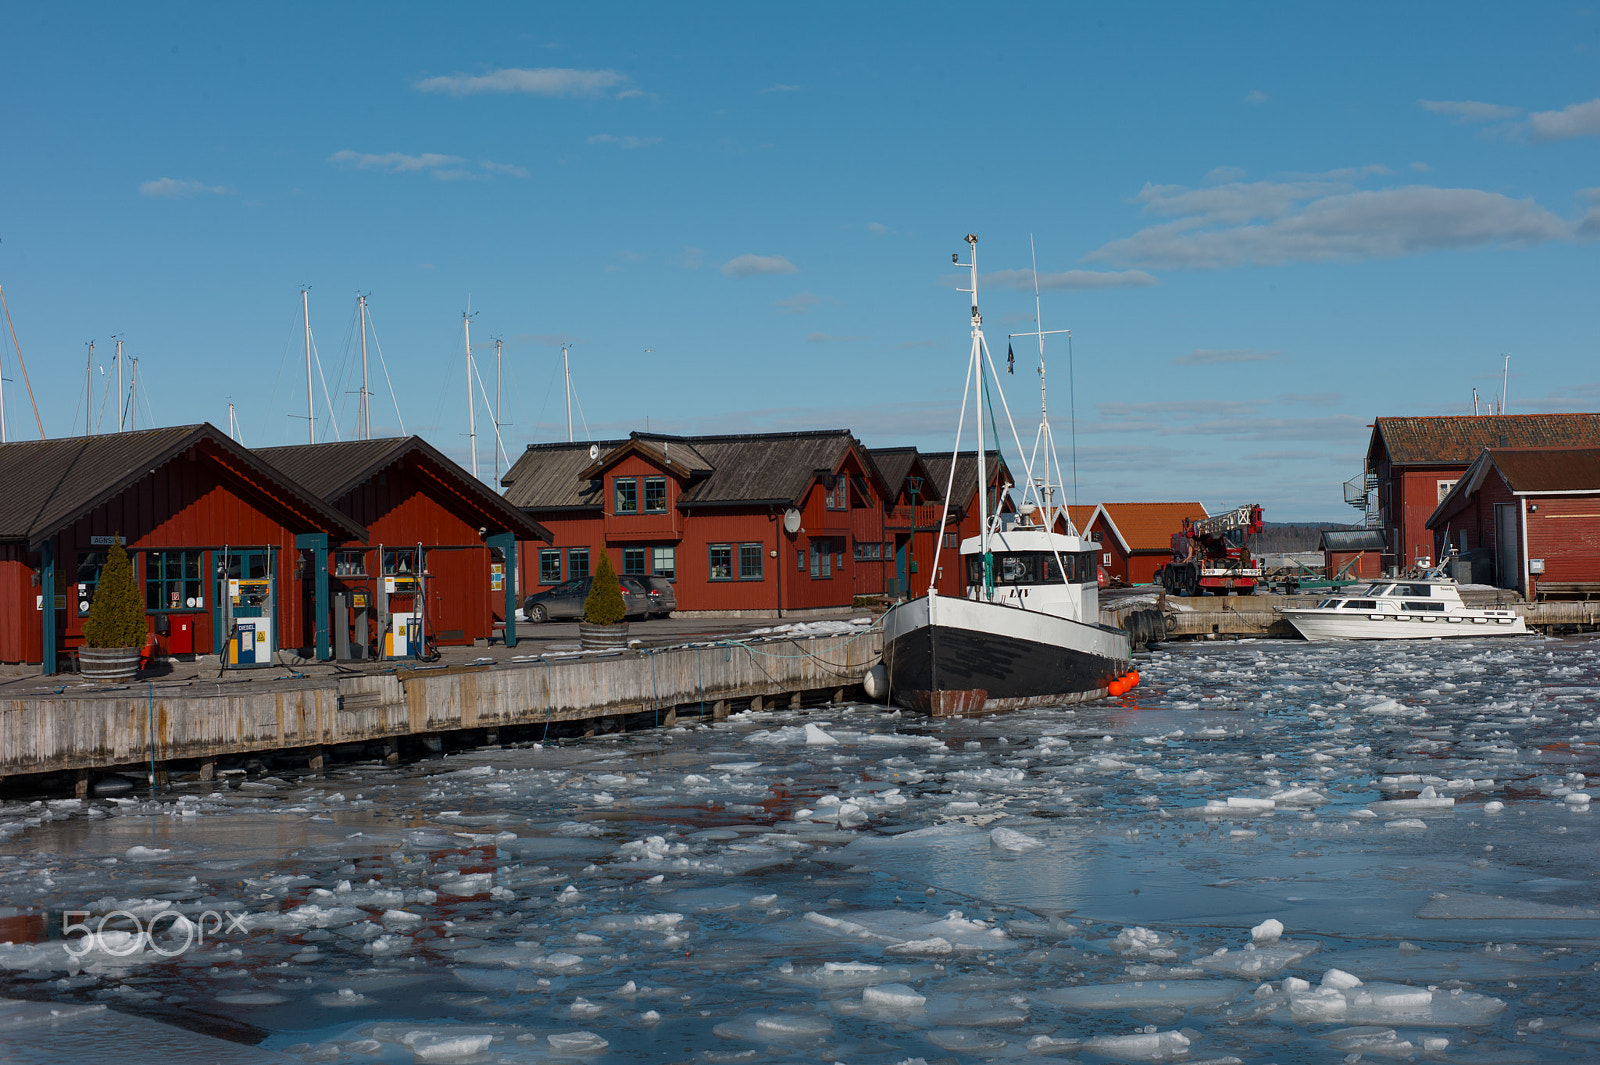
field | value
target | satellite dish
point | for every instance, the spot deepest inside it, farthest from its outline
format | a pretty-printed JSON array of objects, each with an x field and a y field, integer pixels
[
  {"x": 594, "y": 451},
  {"x": 791, "y": 521}
]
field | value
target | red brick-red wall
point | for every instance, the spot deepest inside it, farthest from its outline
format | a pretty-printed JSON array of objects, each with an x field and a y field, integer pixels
[{"x": 1565, "y": 532}]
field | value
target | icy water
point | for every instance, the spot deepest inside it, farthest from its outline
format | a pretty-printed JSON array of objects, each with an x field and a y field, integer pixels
[{"x": 847, "y": 884}]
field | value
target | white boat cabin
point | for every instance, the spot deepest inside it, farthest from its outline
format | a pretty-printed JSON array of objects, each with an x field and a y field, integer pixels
[
  {"x": 1419, "y": 596},
  {"x": 1039, "y": 570}
]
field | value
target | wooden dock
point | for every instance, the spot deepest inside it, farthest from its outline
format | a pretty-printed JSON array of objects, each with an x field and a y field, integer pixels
[{"x": 141, "y": 727}]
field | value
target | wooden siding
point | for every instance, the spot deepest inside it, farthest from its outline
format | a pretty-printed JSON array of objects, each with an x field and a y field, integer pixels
[
  {"x": 1565, "y": 532},
  {"x": 21, "y": 632},
  {"x": 1369, "y": 566}
]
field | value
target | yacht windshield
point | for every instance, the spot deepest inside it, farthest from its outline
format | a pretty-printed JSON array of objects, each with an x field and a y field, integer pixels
[{"x": 1033, "y": 567}]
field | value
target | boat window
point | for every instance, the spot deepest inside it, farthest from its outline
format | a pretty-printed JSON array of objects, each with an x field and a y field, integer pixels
[
  {"x": 1421, "y": 606},
  {"x": 1361, "y": 604},
  {"x": 1376, "y": 589},
  {"x": 1415, "y": 591},
  {"x": 1031, "y": 567},
  {"x": 1329, "y": 604}
]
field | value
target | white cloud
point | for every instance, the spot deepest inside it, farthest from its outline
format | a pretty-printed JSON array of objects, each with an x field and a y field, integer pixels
[
  {"x": 877, "y": 229},
  {"x": 799, "y": 303},
  {"x": 1218, "y": 356},
  {"x": 1574, "y": 120},
  {"x": 1255, "y": 96},
  {"x": 175, "y": 188},
  {"x": 1022, "y": 280},
  {"x": 438, "y": 166},
  {"x": 542, "y": 81},
  {"x": 751, "y": 265},
  {"x": 624, "y": 142},
  {"x": 1221, "y": 174},
  {"x": 1466, "y": 111},
  {"x": 1271, "y": 223}
]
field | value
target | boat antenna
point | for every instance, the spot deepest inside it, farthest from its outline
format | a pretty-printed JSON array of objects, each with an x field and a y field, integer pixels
[
  {"x": 1505, "y": 376},
  {"x": 311, "y": 413},
  {"x": 1044, "y": 444},
  {"x": 566, "y": 371},
  {"x": 498, "y": 344},
  {"x": 366, "y": 406},
  {"x": 88, "y": 393}
]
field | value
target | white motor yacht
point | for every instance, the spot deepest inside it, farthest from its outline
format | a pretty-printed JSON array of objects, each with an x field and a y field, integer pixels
[{"x": 1409, "y": 608}]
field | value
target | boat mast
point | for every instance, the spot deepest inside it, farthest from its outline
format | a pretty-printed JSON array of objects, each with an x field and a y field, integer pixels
[
  {"x": 88, "y": 393},
  {"x": 976, "y": 367},
  {"x": 311, "y": 414},
  {"x": 133, "y": 395},
  {"x": 119, "y": 384},
  {"x": 1045, "y": 439},
  {"x": 498, "y": 344},
  {"x": 472, "y": 408},
  {"x": 566, "y": 371},
  {"x": 366, "y": 408}
]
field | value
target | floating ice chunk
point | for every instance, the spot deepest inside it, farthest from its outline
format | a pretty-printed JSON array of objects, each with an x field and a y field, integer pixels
[
  {"x": 956, "y": 1039},
  {"x": 1493, "y": 807},
  {"x": 1339, "y": 980},
  {"x": 467, "y": 884},
  {"x": 1268, "y": 931},
  {"x": 1407, "y": 824},
  {"x": 638, "y": 922},
  {"x": 892, "y": 997},
  {"x": 1145, "y": 994},
  {"x": 576, "y": 1042},
  {"x": 816, "y": 737},
  {"x": 1142, "y": 1046},
  {"x": 1259, "y": 961},
  {"x": 447, "y": 1046},
  {"x": 343, "y": 998},
  {"x": 1139, "y": 940},
  {"x": 148, "y": 854},
  {"x": 771, "y": 1027},
  {"x": 1577, "y": 798},
  {"x": 1009, "y": 840},
  {"x": 1500, "y": 908}
]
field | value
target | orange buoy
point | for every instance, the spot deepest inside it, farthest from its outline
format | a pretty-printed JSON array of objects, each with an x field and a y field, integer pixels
[
  {"x": 1133, "y": 677},
  {"x": 1116, "y": 687}
]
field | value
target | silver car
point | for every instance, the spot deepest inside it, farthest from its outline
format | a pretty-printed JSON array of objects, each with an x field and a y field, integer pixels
[{"x": 566, "y": 600}]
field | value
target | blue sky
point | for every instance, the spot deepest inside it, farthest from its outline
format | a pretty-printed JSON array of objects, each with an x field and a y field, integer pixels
[{"x": 1264, "y": 224}]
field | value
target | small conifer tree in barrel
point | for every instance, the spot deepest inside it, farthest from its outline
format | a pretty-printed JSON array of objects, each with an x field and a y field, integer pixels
[
  {"x": 604, "y": 605},
  {"x": 116, "y": 617}
]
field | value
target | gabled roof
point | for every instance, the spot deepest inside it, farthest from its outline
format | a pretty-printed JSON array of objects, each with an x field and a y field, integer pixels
[
  {"x": 1147, "y": 526},
  {"x": 1352, "y": 540},
  {"x": 1081, "y": 515},
  {"x": 334, "y": 470},
  {"x": 753, "y": 468},
  {"x": 672, "y": 454},
  {"x": 1525, "y": 471},
  {"x": 49, "y": 484},
  {"x": 1457, "y": 439},
  {"x": 896, "y": 465},
  {"x": 966, "y": 479}
]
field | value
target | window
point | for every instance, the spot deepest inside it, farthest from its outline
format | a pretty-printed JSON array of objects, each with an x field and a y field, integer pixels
[
  {"x": 349, "y": 563},
  {"x": 664, "y": 562},
  {"x": 1105, "y": 559},
  {"x": 800, "y": 559},
  {"x": 888, "y": 549},
  {"x": 1359, "y": 604},
  {"x": 750, "y": 562},
  {"x": 867, "y": 552},
  {"x": 837, "y": 492},
  {"x": 822, "y": 560},
  {"x": 401, "y": 562},
  {"x": 952, "y": 539},
  {"x": 721, "y": 562},
  {"x": 1033, "y": 567},
  {"x": 172, "y": 580},
  {"x": 655, "y": 495},
  {"x": 627, "y": 489},
  {"x": 577, "y": 563},
  {"x": 550, "y": 565},
  {"x": 633, "y": 562},
  {"x": 89, "y": 565},
  {"x": 1444, "y": 489}
]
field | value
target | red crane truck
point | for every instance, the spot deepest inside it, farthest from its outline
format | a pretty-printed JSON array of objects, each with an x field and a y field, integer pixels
[{"x": 1213, "y": 555}]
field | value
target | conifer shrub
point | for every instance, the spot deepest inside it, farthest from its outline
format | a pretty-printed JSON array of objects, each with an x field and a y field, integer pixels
[
  {"x": 116, "y": 617},
  {"x": 604, "y": 605}
]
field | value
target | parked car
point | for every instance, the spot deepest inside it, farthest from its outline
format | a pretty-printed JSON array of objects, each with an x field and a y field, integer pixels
[
  {"x": 663, "y": 600},
  {"x": 565, "y": 600}
]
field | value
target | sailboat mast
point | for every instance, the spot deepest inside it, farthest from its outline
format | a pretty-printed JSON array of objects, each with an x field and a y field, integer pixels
[
  {"x": 566, "y": 371},
  {"x": 366, "y": 408},
  {"x": 311, "y": 414},
  {"x": 498, "y": 344},
  {"x": 119, "y": 384},
  {"x": 472, "y": 408},
  {"x": 133, "y": 396},
  {"x": 88, "y": 393},
  {"x": 977, "y": 362}
]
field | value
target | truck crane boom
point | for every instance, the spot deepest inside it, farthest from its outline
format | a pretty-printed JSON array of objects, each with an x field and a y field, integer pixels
[{"x": 1213, "y": 555}]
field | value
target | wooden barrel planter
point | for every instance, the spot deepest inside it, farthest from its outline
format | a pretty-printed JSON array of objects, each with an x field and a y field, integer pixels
[
  {"x": 602, "y": 637},
  {"x": 109, "y": 664}
]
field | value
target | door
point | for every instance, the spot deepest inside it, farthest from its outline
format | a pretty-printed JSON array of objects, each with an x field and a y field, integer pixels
[
  {"x": 902, "y": 566},
  {"x": 1507, "y": 574}
]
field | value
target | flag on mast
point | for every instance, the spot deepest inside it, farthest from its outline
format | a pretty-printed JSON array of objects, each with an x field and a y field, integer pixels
[{"x": 1011, "y": 360}]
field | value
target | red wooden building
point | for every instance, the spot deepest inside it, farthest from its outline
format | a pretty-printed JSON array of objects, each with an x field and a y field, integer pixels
[
  {"x": 217, "y": 537},
  {"x": 1414, "y": 462},
  {"x": 1534, "y": 512},
  {"x": 1135, "y": 538},
  {"x": 760, "y": 524},
  {"x": 1352, "y": 554},
  {"x": 438, "y": 541}
]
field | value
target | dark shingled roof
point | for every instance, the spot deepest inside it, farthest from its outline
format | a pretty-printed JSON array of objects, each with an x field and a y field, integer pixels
[
  {"x": 333, "y": 470},
  {"x": 895, "y": 464},
  {"x": 775, "y": 468},
  {"x": 51, "y": 483},
  {"x": 1549, "y": 469},
  {"x": 1352, "y": 540},
  {"x": 1457, "y": 440},
  {"x": 937, "y": 464}
]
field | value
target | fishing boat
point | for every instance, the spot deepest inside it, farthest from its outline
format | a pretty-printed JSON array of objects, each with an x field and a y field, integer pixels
[
  {"x": 1027, "y": 632},
  {"x": 1410, "y": 608}
]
